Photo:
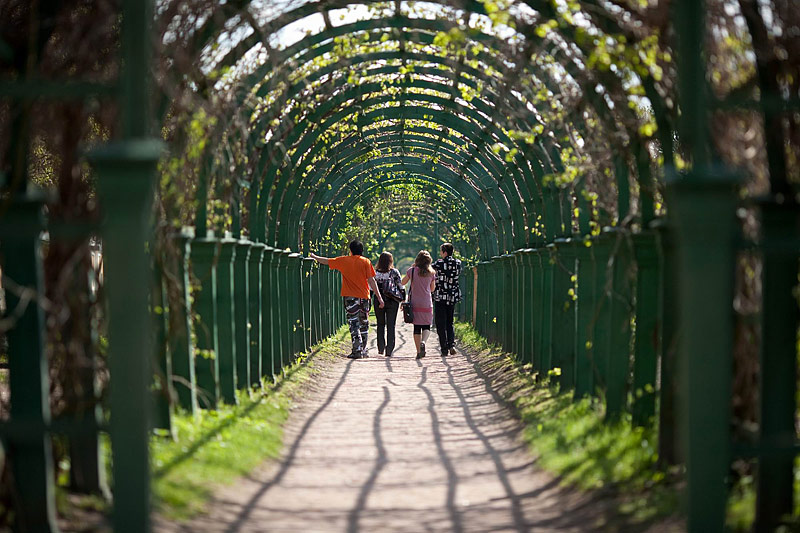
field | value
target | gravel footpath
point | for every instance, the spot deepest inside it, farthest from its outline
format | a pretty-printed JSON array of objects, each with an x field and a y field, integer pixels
[{"x": 398, "y": 444}]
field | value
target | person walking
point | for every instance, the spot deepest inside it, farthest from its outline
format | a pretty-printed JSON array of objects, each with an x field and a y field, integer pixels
[
  {"x": 423, "y": 283},
  {"x": 388, "y": 279},
  {"x": 358, "y": 277},
  {"x": 445, "y": 297}
]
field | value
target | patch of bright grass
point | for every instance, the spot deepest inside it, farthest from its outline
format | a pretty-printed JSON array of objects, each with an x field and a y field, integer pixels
[
  {"x": 216, "y": 447},
  {"x": 573, "y": 440}
]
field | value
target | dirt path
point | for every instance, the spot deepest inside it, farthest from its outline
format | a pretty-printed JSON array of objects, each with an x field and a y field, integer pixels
[{"x": 402, "y": 445}]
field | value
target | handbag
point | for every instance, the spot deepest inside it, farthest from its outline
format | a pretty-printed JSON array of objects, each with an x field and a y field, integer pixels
[{"x": 408, "y": 311}]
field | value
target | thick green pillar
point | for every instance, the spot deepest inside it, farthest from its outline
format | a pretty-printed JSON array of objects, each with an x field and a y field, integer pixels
[
  {"x": 31, "y": 454},
  {"x": 705, "y": 215},
  {"x": 778, "y": 369},
  {"x": 164, "y": 390},
  {"x": 648, "y": 339},
  {"x": 255, "y": 287},
  {"x": 204, "y": 268},
  {"x": 226, "y": 322},
  {"x": 181, "y": 345},
  {"x": 668, "y": 428},
  {"x": 125, "y": 178},
  {"x": 241, "y": 312},
  {"x": 87, "y": 467}
]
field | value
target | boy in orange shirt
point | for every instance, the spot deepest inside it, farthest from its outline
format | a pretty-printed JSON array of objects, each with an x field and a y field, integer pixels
[{"x": 358, "y": 277}]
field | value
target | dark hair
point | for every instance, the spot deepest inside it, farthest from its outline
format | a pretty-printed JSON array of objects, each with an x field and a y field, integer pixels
[
  {"x": 448, "y": 249},
  {"x": 385, "y": 262},
  {"x": 423, "y": 263},
  {"x": 356, "y": 247}
]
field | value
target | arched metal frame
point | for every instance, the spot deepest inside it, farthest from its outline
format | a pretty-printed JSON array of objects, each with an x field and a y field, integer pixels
[{"x": 283, "y": 200}]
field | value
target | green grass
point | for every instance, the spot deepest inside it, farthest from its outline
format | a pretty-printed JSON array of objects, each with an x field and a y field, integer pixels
[
  {"x": 573, "y": 441},
  {"x": 216, "y": 447}
]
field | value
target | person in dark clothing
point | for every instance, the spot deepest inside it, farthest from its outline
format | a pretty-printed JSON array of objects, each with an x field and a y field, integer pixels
[
  {"x": 388, "y": 280},
  {"x": 446, "y": 296}
]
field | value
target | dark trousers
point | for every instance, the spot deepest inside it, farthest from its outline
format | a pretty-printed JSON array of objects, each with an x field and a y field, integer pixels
[
  {"x": 443, "y": 316},
  {"x": 386, "y": 321},
  {"x": 357, "y": 311}
]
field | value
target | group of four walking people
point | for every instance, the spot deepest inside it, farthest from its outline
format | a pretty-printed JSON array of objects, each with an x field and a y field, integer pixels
[{"x": 433, "y": 293}]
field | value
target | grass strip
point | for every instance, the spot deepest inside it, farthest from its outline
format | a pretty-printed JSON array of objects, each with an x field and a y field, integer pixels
[
  {"x": 214, "y": 448},
  {"x": 572, "y": 439}
]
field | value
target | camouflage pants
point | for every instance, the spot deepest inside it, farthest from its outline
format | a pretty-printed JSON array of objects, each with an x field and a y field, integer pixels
[{"x": 357, "y": 310}]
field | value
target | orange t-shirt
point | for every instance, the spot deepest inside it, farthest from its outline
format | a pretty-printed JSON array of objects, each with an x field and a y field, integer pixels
[{"x": 356, "y": 270}]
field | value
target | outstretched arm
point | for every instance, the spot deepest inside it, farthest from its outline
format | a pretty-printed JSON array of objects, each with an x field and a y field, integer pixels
[
  {"x": 374, "y": 286},
  {"x": 319, "y": 258}
]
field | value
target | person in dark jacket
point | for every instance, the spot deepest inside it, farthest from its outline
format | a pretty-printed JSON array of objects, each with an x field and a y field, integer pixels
[
  {"x": 446, "y": 296},
  {"x": 388, "y": 279}
]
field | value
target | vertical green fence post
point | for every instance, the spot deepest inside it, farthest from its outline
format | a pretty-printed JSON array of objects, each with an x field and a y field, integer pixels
[
  {"x": 31, "y": 454},
  {"x": 668, "y": 448},
  {"x": 495, "y": 288},
  {"x": 704, "y": 203},
  {"x": 501, "y": 310},
  {"x": 181, "y": 345},
  {"x": 517, "y": 290},
  {"x": 164, "y": 393},
  {"x": 600, "y": 350},
  {"x": 295, "y": 287},
  {"x": 647, "y": 341},
  {"x": 203, "y": 260},
  {"x": 255, "y": 286},
  {"x": 526, "y": 309},
  {"x": 482, "y": 312},
  {"x": 277, "y": 320},
  {"x": 510, "y": 307},
  {"x": 125, "y": 180},
  {"x": 282, "y": 306},
  {"x": 537, "y": 309},
  {"x": 585, "y": 316},
  {"x": 270, "y": 341},
  {"x": 621, "y": 299},
  {"x": 564, "y": 312},
  {"x": 241, "y": 312},
  {"x": 309, "y": 331},
  {"x": 226, "y": 323},
  {"x": 548, "y": 264}
]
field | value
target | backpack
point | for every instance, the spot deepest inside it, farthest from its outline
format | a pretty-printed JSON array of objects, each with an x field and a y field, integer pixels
[{"x": 390, "y": 290}]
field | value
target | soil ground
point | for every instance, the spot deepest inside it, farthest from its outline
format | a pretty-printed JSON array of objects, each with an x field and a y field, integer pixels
[{"x": 399, "y": 444}]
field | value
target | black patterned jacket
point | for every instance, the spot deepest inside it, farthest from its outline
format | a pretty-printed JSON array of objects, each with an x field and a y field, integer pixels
[{"x": 448, "y": 272}]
